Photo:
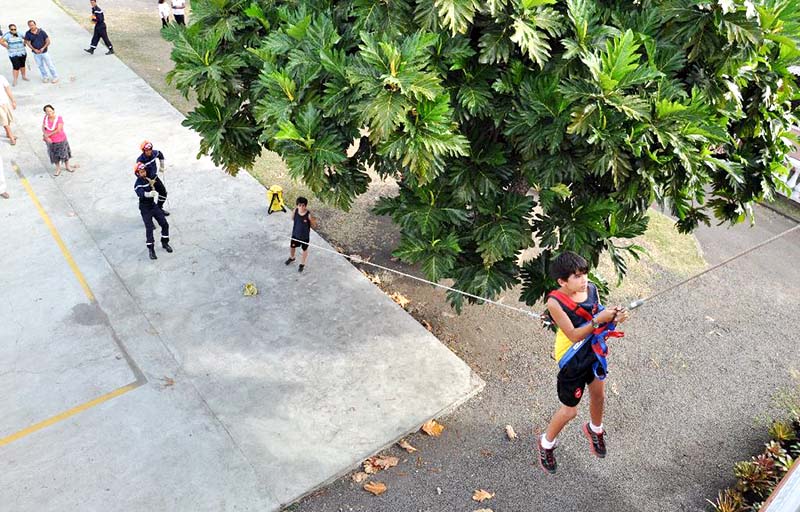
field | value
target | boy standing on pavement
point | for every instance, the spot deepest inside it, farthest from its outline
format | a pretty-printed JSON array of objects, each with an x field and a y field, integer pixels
[
  {"x": 301, "y": 231},
  {"x": 145, "y": 189},
  {"x": 100, "y": 30},
  {"x": 38, "y": 41},
  {"x": 576, "y": 311}
]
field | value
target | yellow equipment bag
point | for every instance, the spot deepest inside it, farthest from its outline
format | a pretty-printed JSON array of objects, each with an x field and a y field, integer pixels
[{"x": 275, "y": 199}]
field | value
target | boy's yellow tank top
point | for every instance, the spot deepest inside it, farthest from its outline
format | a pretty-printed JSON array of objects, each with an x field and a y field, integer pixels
[{"x": 561, "y": 345}]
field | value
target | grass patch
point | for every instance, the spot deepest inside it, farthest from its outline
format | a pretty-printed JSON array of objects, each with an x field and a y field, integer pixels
[{"x": 667, "y": 251}]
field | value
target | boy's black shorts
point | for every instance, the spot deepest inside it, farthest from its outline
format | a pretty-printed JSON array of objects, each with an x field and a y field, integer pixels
[
  {"x": 573, "y": 378},
  {"x": 302, "y": 245}
]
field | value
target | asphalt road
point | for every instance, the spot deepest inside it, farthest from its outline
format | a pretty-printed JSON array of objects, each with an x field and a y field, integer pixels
[{"x": 687, "y": 393}]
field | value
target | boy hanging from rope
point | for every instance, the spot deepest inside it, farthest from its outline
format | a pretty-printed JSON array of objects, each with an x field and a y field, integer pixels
[{"x": 580, "y": 349}]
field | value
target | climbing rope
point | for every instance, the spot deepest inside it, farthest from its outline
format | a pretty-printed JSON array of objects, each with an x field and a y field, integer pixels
[
  {"x": 633, "y": 305},
  {"x": 359, "y": 260}
]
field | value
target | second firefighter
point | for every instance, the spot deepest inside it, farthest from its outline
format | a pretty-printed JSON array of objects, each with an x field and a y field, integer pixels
[{"x": 145, "y": 188}]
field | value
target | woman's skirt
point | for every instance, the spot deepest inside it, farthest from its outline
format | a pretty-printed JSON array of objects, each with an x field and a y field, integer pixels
[{"x": 59, "y": 151}]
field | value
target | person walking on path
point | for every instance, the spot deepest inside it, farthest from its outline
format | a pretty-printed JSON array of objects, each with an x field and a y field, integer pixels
[
  {"x": 17, "y": 53},
  {"x": 301, "y": 231},
  {"x": 179, "y": 11},
  {"x": 164, "y": 12},
  {"x": 7, "y": 105},
  {"x": 576, "y": 311},
  {"x": 39, "y": 42},
  {"x": 3, "y": 190},
  {"x": 148, "y": 158},
  {"x": 100, "y": 30},
  {"x": 56, "y": 139},
  {"x": 145, "y": 188}
]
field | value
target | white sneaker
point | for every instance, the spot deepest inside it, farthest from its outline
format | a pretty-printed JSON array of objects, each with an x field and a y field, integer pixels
[
  {"x": 55, "y": 80},
  {"x": 45, "y": 80}
]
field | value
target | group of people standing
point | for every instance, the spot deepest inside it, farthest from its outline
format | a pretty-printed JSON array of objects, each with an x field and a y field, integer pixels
[
  {"x": 177, "y": 8},
  {"x": 148, "y": 187},
  {"x": 38, "y": 41}
]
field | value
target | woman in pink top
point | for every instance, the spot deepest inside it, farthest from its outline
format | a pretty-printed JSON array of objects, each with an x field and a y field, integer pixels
[{"x": 56, "y": 139}]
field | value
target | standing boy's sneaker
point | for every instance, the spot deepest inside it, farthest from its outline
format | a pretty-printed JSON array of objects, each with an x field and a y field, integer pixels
[
  {"x": 547, "y": 458},
  {"x": 596, "y": 442}
]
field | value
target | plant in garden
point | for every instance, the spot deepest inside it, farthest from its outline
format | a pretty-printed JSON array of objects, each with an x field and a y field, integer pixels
[
  {"x": 782, "y": 431},
  {"x": 599, "y": 108},
  {"x": 729, "y": 500},
  {"x": 753, "y": 478}
]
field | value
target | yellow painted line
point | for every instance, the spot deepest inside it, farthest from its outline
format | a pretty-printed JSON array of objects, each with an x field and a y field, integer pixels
[
  {"x": 56, "y": 236},
  {"x": 85, "y": 285},
  {"x": 67, "y": 414}
]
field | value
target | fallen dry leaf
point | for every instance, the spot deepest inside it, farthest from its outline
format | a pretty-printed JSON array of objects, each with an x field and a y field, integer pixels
[
  {"x": 373, "y": 278},
  {"x": 510, "y": 432},
  {"x": 481, "y": 495},
  {"x": 400, "y": 299},
  {"x": 433, "y": 428},
  {"x": 376, "y": 488},
  {"x": 360, "y": 477},
  {"x": 167, "y": 382},
  {"x": 374, "y": 464},
  {"x": 386, "y": 462},
  {"x": 427, "y": 325},
  {"x": 406, "y": 446}
]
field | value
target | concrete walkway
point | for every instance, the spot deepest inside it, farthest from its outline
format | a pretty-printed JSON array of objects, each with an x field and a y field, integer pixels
[{"x": 128, "y": 384}]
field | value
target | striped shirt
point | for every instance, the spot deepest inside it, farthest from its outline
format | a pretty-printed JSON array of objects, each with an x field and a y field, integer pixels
[{"x": 16, "y": 45}]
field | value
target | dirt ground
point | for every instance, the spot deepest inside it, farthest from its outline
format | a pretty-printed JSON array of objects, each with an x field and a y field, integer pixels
[{"x": 500, "y": 345}]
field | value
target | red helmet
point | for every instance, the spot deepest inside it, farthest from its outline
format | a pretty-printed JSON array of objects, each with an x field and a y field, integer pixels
[
  {"x": 138, "y": 167},
  {"x": 146, "y": 145}
]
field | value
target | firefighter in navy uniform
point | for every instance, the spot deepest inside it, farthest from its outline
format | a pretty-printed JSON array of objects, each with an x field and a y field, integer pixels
[
  {"x": 146, "y": 190},
  {"x": 148, "y": 158},
  {"x": 100, "y": 31}
]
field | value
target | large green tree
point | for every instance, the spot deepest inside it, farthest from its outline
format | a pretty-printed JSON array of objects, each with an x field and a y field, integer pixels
[{"x": 506, "y": 123}]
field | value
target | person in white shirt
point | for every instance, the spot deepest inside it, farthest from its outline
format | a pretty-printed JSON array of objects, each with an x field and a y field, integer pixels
[
  {"x": 179, "y": 11},
  {"x": 164, "y": 11},
  {"x": 7, "y": 104}
]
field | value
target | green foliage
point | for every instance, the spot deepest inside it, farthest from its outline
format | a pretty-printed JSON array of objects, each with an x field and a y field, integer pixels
[
  {"x": 782, "y": 431},
  {"x": 505, "y": 122}
]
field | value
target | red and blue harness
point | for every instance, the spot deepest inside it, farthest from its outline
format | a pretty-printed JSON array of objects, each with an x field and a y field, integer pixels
[{"x": 598, "y": 338}]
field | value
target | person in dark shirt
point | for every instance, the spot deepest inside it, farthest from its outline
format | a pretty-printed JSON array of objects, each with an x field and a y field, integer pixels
[
  {"x": 301, "y": 231},
  {"x": 38, "y": 41},
  {"x": 146, "y": 190},
  {"x": 148, "y": 158},
  {"x": 100, "y": 31}
]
